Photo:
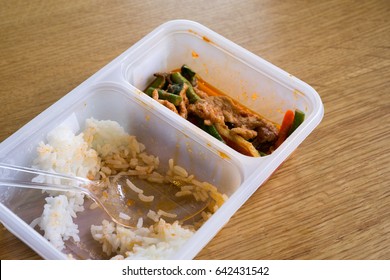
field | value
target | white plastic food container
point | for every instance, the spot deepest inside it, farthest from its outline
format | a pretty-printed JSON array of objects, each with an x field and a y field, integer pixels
[{"x": 115, "y": 93}]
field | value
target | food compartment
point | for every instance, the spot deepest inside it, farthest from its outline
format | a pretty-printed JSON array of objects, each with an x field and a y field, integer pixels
[
  {"x": 162, "y": 139},
  {"x": 253, "y": 82}
]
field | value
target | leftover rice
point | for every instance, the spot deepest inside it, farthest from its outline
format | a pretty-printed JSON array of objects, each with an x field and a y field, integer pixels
[{"x": 104, "y": 149}]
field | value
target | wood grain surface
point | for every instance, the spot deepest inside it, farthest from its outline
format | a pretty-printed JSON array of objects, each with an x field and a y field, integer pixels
[{"x": 330, "y": 199}]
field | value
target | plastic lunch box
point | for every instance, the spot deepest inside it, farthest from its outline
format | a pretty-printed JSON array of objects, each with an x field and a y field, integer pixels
[{"x": 115, "y": 93}]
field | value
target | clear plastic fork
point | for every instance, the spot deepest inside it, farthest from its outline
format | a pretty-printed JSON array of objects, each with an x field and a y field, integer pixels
[{"x": 124, "y": 204}]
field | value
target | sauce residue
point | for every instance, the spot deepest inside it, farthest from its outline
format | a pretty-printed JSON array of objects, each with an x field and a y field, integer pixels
[
  {"x": 194, "y": 54},
  {"x": 209, "y": 89},
  {"x": 223, "y": 155},
  {"x": 206, "y": 39}
]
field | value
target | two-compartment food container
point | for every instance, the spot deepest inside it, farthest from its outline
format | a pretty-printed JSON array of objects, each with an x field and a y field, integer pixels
[{"x": 115, "y": 93}]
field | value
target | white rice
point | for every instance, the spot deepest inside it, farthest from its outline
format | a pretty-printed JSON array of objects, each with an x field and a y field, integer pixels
[
  {"x": 65, "y": 153},
  {"x": 157, "y": 242},
  {"x": 183, "y": 193},
  {"x": 133, "y": 187},
  {"x": 145, "y": 198},
  {"x": 166, "y": 214},
  {"x": 105, "y": 149},
  {"x": 57, "y": 221},
  {"x": 153, "y": 215},
  {"x": 124, "y": 216},
  {"x": 140, "y": 223},
  {"x": 180, "y": 171},
  {"x": 187, "y": 188}
]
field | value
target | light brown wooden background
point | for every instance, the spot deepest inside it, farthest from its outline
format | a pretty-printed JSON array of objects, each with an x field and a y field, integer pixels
[{"x": 331, "y": 198}]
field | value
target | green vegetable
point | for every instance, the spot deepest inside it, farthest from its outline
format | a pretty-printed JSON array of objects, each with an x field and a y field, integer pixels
[
  {"x": 210, "y": 129},
  {"x": 162, "y": 94},
  {"x": 299, "y": 117},
  {"x": 159, "y": 82},
  {"x": 175, "y": 88},
  {"x": 189, "y": 74},
  {"x": 177, "y": 78}
]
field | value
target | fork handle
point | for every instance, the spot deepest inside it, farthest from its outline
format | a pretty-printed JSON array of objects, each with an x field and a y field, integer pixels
[
  {"x": 39, "y": 186},
  {"x": 6, "y": 182}
]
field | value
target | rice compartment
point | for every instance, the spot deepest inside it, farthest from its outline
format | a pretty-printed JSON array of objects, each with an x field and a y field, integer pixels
[{"x": 104, "y": 149}]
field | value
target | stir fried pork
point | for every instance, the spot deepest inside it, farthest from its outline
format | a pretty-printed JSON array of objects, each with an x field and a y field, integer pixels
[
  {"x": 219, "y": 115},
  {"x": 223, "y": 110}
]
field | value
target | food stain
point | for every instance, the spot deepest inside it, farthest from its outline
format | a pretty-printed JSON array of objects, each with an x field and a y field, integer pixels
[
  {"x": 223, "y": 155},
  {"x": 244, "y": 96},
  {"x": 206, "y": 39},
  {"x": 206, "y": 70},
  {"x": 130, "y": 202},
  {"x": 166, "y": 205},
  {"x": 194, "y": 54}
]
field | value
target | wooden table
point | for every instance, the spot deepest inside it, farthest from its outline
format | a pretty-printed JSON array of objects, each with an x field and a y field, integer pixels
[{"x": 330, "y": 199}]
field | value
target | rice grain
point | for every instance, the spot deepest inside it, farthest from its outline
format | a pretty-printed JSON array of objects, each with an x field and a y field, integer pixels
[
  {"x": 153, "y": 215},
  {"x": 178, "y": 170},
  {"x": 133, "y": 187},
  {"x": 145, "y": 198},
  {"x": 124, "y": 216},
  {"x": 140, "y": 223},
  {"x": 183, "y": 193},
  {"x": 166, "y": 214}
]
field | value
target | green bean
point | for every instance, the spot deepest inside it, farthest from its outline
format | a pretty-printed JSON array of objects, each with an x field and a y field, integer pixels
[
  {"x": 299, "y": 117},
  {"x": 210, "y": 129},
  {"x": 159, "y": 82},
  {"x": 189, "y": 74},
  {"x": 162, "y": 94},
  {"x": 175, "y": 88},
  {"x": 177, "y": 78}
]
